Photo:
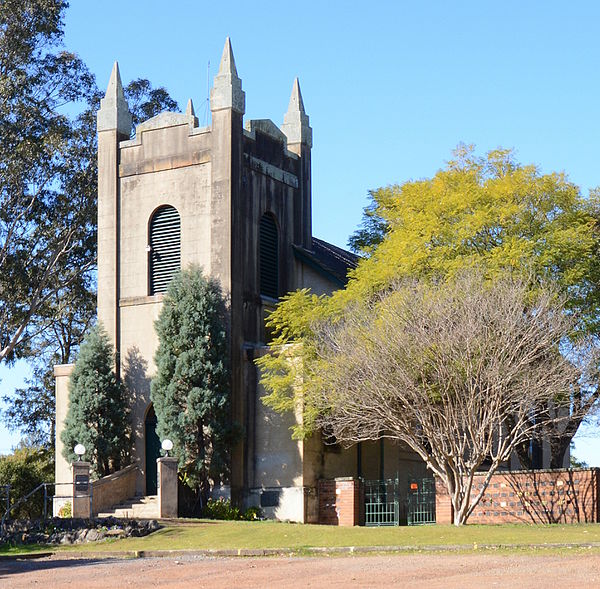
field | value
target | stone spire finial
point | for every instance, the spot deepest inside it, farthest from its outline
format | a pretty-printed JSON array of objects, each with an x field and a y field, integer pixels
[
  {"x": 296, "y": 125},
  {"x": 227, "y": 88},
  {"x": 296, "y": 103},
  {"x": 114, "y": 111},
  {"x": 190, "y": 109},
  {"x": 227, "y": 65}
]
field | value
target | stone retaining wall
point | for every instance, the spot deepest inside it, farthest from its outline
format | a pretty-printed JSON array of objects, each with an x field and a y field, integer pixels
[
  {"x": 73, "y": 530},
  {"x": 113, "y": 489}
]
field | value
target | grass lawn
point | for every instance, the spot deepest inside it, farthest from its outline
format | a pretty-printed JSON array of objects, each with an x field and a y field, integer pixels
[
  {"x": 20, "y": 550},
  {"x": 203, "y": 534}
]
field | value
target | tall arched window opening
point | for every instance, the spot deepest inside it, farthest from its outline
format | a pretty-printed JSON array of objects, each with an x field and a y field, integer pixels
[
  {"x": 164, "y": 256},
  {"x": 268, "y": 257}
]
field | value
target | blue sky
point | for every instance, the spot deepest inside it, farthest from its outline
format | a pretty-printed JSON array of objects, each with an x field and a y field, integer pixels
[{"x": 391, "y": 87}]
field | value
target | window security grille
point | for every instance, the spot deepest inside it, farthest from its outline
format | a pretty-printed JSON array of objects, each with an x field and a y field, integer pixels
[{"x": 165, "y": 248}]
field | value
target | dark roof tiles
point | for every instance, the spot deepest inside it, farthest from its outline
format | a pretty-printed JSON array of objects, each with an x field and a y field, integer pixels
[{"x": 331, "y": 259}]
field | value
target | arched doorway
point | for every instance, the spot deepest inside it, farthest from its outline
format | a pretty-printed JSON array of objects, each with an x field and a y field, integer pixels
[{"x": 152, "y": 451}]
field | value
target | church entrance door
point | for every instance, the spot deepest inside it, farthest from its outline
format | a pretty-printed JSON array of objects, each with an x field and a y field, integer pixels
[{"x": 152, "y": 451}]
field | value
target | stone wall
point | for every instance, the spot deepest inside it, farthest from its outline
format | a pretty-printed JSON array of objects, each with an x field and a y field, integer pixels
[
  {"x": 113, "y": 489},
  {"x": 339, "y": 502},
  {"x": 73, "y": 531},
  {"x": 543, "y": 496}
]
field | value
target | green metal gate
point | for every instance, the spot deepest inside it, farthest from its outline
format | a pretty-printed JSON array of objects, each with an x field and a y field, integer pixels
[
  {"x": 421, "y": 502},
  {"x": 387, "y": 503},
  {"x": 382, "y": 505}
]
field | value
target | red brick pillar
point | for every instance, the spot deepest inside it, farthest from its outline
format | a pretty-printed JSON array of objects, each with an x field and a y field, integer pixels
[
  {"x": 339, "y": 502},
  {"x": 347, "y": 503},
  {"x": 443, "y": 505}
]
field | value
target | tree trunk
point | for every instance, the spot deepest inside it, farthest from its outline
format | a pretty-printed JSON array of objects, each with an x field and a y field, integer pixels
[
  {"x": 458, "y": 509},
  {"x": 558, "y": 447},
  {"x": 524, "y": 456}
]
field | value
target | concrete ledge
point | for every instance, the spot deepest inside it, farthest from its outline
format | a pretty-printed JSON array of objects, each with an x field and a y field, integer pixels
[
  {"x": 540, "y": 471},
  {"x": 165, "y": 163},
  {"x": 270, "y": 170},
  {"x": 63, "y": 369},
  {"x": 301, "y": 552},
  {"x": 146, "y": 300}
]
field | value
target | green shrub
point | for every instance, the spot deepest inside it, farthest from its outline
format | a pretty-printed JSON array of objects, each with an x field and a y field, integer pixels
[
  {"x": 253, "y": 514},
  {"x": 221, "y": 509},
  {"x": 24, "y": 470}
]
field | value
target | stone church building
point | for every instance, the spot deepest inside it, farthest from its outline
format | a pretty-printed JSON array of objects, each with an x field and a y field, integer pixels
[{"x": 235, "y": 199}]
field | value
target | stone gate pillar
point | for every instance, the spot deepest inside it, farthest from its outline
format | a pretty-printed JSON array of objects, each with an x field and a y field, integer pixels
[
  {"x": 82, "y": 490},
  {"x": 167, "y": 486}
]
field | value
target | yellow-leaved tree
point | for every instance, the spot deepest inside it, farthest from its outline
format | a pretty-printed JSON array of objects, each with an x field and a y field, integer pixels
[{"x": 489, "y": 214}]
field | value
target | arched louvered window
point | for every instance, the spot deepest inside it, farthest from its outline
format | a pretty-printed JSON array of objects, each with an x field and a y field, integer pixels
[
  {"x": 165, "y": 248},
  {"x": 268, "y": 257}
]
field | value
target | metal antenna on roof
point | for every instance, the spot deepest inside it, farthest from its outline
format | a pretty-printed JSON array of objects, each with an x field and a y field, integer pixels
[
  {"x": 207, "y": 93},
  {"x": 205, "y": 108}
]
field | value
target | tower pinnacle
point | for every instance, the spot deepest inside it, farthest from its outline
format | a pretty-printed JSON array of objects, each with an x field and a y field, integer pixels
[
  {"x": 190, "y": 109},
  {"x": 227, "y": 65},
  {"x": 296, "y": 125},
  {"x": 227, "y": 88},
  {"x": 114, "y": 111}
]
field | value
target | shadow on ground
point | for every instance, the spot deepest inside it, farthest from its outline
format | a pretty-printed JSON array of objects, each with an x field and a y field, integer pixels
[{"x": 11, "y": 567}]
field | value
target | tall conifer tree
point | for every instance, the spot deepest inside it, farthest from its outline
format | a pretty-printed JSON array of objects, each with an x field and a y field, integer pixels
[
  {"x": 98, "y": 415},
  {"x": 191, "y": 390}
]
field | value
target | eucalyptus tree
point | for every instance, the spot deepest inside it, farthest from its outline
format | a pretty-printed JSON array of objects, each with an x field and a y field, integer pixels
[{"x": 48, "y": 193}]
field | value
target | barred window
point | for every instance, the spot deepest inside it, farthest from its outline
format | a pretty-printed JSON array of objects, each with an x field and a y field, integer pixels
[
  {"x": 268, "y": 257},
  {"x": 165, "y": 248}
]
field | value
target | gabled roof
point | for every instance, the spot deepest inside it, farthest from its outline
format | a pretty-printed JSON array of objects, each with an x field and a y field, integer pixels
[{"x": 328, "y": 259}]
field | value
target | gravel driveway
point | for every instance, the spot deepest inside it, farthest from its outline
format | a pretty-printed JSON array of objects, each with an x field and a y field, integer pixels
[{"x": 429, "y": 571}]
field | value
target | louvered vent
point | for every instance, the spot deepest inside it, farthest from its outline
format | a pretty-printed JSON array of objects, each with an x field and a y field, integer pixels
[
  {"x": 165, "y": 243},
  {"x": 268, "y": 258}
]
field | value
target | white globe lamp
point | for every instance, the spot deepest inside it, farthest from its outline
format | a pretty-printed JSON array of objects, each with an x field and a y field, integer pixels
[
  {"x": 167, "y": 445},
  {"x": 79, "y": 450}
]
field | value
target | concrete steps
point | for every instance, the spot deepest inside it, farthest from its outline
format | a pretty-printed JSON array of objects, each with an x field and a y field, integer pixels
[{"x": 135, "y": 508}]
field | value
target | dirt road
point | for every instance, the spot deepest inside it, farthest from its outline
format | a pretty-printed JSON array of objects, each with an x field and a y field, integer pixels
[{"x": 429, "y": 571}]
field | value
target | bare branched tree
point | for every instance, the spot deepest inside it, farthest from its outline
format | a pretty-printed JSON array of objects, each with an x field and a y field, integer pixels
[{"x": 461, "y": 372}]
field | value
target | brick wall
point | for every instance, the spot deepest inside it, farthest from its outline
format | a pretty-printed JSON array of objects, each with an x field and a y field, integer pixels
[
  {"x": 339, "y": 502},
  {"x": 545, "y": 496}
]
